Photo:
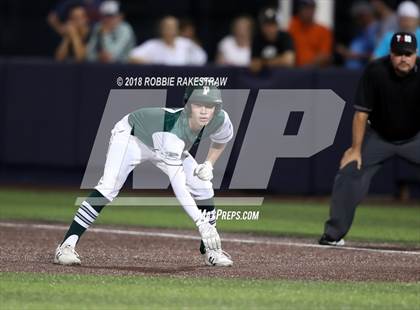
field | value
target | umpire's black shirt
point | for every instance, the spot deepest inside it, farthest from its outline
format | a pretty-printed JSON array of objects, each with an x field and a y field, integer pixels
[{"x": 393, "y": 102}]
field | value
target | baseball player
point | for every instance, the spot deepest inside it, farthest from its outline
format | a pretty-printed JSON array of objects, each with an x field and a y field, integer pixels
[
  {"x": 386, "y": 123},
  {"x": 162, "y": 136}
]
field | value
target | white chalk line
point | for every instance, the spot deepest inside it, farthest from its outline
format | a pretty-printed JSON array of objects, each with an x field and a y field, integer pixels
[{"x": 191, "y": 237}]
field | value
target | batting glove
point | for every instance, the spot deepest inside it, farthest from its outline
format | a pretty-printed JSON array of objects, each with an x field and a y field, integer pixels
[
  {"x": 204, "y": 171},
  {"x": 209, "y": 234}
]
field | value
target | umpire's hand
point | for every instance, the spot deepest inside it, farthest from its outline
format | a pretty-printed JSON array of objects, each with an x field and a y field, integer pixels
[{"x": 351, "y": 155}]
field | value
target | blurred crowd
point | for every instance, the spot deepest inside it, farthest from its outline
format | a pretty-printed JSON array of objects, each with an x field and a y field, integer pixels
[{"x": 95, "y": 30}]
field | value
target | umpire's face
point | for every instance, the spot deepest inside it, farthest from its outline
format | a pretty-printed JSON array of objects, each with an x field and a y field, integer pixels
[{"x": 403, "y": 63}]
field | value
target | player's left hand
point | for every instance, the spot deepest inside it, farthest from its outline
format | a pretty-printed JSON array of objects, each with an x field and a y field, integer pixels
[
  {"x": 204, "y": 171},
  {"x": 209, "y": 234}
]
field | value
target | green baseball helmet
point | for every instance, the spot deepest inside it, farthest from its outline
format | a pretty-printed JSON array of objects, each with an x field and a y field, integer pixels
[{"x": 204, "y": 94}]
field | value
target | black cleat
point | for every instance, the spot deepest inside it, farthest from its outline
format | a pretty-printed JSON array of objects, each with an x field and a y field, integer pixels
[{"x": 325, "y": 240}]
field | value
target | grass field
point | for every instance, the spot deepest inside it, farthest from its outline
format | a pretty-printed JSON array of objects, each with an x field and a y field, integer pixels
[
  {"x": 40, "y": 291},
  {"x": 382, "y": 224},
  {"x": 48, "y": 291}
]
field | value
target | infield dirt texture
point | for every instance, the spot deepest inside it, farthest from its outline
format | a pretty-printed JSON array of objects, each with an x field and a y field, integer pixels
[{"x": 29, "y": 247}]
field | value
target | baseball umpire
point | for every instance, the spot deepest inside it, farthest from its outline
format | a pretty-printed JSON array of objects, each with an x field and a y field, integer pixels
[
  {"x": 162, "y": 136},
  {"x": 386, "y": 123}
]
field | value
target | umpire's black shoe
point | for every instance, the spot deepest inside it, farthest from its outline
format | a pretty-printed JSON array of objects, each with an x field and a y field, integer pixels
[{"x": 325, "y": 240}]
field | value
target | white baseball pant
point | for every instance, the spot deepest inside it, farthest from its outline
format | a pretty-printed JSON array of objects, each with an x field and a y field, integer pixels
[{"x": 126, "y": 151}]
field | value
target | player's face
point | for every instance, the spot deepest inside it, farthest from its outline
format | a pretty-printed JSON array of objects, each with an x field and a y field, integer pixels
[
  {"x": 201, "y": 114},
  {"x": 403, "y": 63}
]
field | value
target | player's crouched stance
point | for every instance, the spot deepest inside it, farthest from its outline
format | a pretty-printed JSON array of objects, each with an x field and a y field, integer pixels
[{"x": 162, "y": 136}]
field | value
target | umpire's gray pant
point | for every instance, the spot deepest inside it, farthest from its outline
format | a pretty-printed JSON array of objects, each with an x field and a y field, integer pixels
[{"x": 351, "y": 184}]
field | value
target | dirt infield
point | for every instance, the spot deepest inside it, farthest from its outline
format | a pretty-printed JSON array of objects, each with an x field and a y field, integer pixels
[{"x": 29, "y": 247}]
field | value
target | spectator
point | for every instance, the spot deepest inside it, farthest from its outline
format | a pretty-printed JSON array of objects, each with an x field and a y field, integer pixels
[
  {"x": 58, "y": 15},
  {"x": 313, "y": 42},
  {"x": 187, "y": 30},
  {"x": 235, "y": 49},
  {"x": 112, "y": 38},
  {"x": 361, "y": 47},
  {"x": 75, "y": 36},
  {"x": 387, "y": 18},
  {"x": 408, "y": 21},
  {"x": 271, "y": 47},
  {"x": 170, "y": 48}
]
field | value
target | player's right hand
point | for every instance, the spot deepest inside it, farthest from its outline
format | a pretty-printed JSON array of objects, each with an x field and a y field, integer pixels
[
  {"x": 351, "y": 155},
  {"x": 204, "y": 171},
  {"x": 209, "y": 234}
]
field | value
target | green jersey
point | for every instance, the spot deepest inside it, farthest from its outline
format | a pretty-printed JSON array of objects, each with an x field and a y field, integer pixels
[{"x": 148, "y": 121}]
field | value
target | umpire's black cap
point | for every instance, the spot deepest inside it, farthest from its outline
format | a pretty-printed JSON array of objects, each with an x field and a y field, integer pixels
[{"x": 403, "y": 42}]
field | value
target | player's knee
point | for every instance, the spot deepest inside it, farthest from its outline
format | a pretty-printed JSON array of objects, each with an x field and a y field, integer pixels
[{"x": 201, "y": 190}]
